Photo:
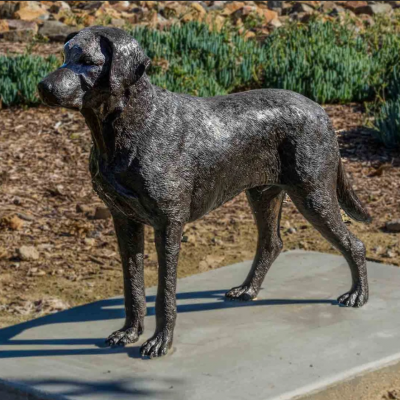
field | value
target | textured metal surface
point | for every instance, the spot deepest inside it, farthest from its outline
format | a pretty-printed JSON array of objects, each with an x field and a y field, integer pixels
[{"x": 165, "y": 159}]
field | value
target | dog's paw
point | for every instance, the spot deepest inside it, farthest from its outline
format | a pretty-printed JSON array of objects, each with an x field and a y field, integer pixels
[
  {"x": 355, "y": 298},
  {"x": 157, "y": 346},
  {"x": 123, "y": 337},
  {"x": 243, "y": 293}
]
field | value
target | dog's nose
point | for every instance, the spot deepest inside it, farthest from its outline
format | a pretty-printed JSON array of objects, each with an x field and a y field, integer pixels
[
  {"x": 44, "y": 87},
  {"x": 46, "y": 92}
]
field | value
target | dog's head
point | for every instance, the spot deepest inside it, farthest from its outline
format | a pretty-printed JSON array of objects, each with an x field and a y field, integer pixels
[{"x": 99, "y": 62}]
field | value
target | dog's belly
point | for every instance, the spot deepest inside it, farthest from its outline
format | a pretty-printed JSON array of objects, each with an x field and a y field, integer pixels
[{"x": 230, "y": 176}]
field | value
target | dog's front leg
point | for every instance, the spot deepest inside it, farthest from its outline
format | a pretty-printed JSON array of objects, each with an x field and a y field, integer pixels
[
  {"x": 168, "y": 241},
  {"x": 130, "y": 236}
]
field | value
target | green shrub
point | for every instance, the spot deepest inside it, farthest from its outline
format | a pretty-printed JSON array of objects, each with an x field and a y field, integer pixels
[
  {"x": 387, "y": 115},
  {"x": 201, "y": 62},
  {"x": 19, "y": 77},
  {"x": 326, "y": 61},
  {"x": 387, "y": 123}
]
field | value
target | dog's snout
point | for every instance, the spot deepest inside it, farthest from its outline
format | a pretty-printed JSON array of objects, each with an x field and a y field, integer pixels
[{"x": 61, "y": 88}]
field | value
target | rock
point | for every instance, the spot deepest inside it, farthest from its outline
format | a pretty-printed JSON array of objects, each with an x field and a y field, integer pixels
[
  {"x": 107, "y": 11},
  {"x": 327, "y": 6},
  {"x": 17, "y": 24},
  {"x": 19, "y": 35},
  {"x": 203, "y": 266},
  {"x": 59, "y": 6},
  {"x": 378, "y": 249},
  {"x": 217, "y": 21},
  {"x": 275, "y": 23},
  {"x": 275, "y": 5},
  {"x": 16, "y": 223},
  {"x": 3, "y": 253},
  {"x": 249, "y": 34},
  {"x": 306, "y": 18},
  {"x": 268, "y": 15},
  {"x": 12, "y": 222},
  {"x": 374, "y": 9},
  {"x": 45, "y": 246},
  {"x": 199, "y": 8},
  {"x": 230, "y": 8},
  {"x": 210, "y": 261},
  {"x": 83, "y": 208},
  {"x": 292, "y": 230},
  {"x": 31, "y": 10},
  {"x": 353, "y": 5},
  {"x": 312, "y": 4},
  {"x": 3, "y": 25},
  {"x": 244, "y": 12},
  {"x": 55, "y": 31},
  {"x": 390, "y": 254},
  {"x": 102, "y": 212},
  {"x": 152, "y": 4},
  {"x": 50, "y": 305},
  {"x": 89, "y": 241},
  {"x": 337, "y": 11},
  {"x": 90, "y": 6},
  {"x": 118, "y": 22},
  {"x": 185, "y": 239},
  {"x": 26, "y": 217},
  {"x": 393, "y": 226},
  {"x": 367, "y": 19},
  {"x": 27, "y": 253},
  {"x": 217, "y": 6},
  {"x": 121, "y": 5},
  {"x": 8, "y": 9},
  {"x": 174, "y": 9},
  {"x": 301, "y": 7}
]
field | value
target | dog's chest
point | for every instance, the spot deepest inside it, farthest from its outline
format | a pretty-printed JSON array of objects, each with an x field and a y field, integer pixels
[{"x": 118, "y": 198}]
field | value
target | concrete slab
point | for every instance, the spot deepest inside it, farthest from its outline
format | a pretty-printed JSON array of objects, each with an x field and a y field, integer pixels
[{"x": 293, "y": 340}]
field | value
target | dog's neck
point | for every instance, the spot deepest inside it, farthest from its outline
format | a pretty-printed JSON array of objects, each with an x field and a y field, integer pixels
[{"x": 117, "y": 122}]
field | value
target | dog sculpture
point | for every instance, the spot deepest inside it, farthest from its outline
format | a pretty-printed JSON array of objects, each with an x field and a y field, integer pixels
[{"x": 164, "y": 159}]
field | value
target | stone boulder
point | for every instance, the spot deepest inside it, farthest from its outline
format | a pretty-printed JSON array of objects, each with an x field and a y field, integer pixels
[
  {"x": 7, "y": 9},
  {"x": 55, "y": 31},
  {"x": 15, "y": 30},
  {"x": 31, "y": 11},
  {"x": 374, "y": 9}
]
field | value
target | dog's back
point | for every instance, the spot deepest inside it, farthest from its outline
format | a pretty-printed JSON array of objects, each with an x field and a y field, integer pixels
[{"x": 231, "y": 143}]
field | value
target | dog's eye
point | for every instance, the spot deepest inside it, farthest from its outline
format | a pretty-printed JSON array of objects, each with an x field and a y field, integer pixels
[{"x": 86, "y": 61}]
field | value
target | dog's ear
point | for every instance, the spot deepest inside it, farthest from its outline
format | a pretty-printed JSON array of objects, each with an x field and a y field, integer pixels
[
  {"x": 70, "y": 36},
  {"x": 128, "y": 63}
]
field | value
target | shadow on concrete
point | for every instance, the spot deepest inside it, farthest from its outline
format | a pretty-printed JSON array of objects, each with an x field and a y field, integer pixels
[
  {"x": 114, "y": 309},
  {"x": 134, "y": 387},
  {"x": 67, "y": 388}
]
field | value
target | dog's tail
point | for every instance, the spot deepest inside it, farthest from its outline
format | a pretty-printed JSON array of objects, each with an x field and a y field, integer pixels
[{"x": 348, "y": 199}]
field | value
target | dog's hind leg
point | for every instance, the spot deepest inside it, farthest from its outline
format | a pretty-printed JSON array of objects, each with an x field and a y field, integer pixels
[
  {"x": 321, "y": 208},
  {"x": 266, "y": 204}
]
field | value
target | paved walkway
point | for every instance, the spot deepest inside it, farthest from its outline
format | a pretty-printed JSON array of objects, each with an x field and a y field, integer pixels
[{"x": 293, "y": 340}]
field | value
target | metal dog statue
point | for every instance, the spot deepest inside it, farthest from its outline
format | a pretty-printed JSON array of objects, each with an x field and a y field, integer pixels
[{"x": 164, "y": 159}]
